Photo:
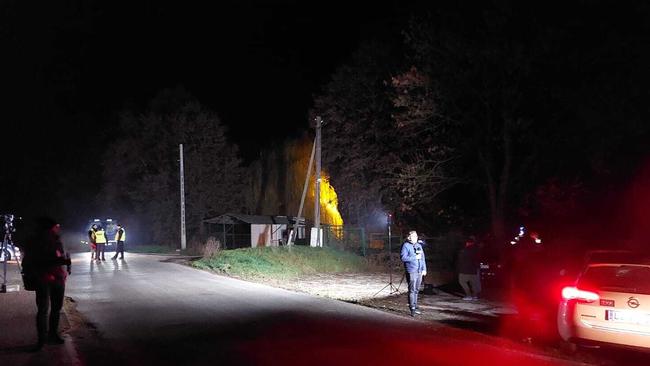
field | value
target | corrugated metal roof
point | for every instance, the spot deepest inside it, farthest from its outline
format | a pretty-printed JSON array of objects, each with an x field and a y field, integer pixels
[{"x": 233, "y": 218}]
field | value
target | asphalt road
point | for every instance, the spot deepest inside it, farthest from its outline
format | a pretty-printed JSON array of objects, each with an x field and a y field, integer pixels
[{"x": 148, "y": 310}]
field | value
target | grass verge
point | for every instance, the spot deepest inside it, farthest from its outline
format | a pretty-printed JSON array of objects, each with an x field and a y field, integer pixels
[{"x": 281, "y": 262}]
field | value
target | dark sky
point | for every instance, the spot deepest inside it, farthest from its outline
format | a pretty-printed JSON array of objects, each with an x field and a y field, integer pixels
[
  {"x": 76, "y": 63},
  {"x": 69, "y": 67}
]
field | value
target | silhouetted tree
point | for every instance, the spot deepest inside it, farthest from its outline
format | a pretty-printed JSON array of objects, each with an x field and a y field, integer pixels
[
  {"x": 355, "y": 106},
  {"x": 483, "y": 81},
  {"x": 423, "y": 141},
  {"x": 142, "y": 166}
]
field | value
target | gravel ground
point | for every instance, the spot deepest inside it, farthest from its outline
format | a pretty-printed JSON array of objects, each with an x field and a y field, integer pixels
[
  {"x": 351, "y": 287},
  {"x": 372, "y": 289}
]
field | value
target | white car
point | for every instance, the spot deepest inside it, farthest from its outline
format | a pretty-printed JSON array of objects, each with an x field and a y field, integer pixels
[{"x": 608, "y": 305}]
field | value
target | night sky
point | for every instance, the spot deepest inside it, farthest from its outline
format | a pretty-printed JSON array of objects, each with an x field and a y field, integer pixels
[
  {"x": 68, "y": 68},
  {"x": 76, "y": 65}
]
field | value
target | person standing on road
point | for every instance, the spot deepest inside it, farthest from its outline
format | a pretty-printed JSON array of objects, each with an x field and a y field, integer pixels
[
  {"x": 468, "y": 270},
  {"x": 120, "y": 237},
  {"x": 43, "y": 264},
  {"x": 100, "y": 239},
  {"x": 412, "y": 254},
  {"x": 92, "y": 242}
]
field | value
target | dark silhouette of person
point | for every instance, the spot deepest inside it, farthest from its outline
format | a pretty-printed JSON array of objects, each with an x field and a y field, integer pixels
[
  {"x": 43, "y": 262},
  {"x": 468, "y": 269},
  {"x": 120, "y": 236},
  {"x": 91, "y": 241}
]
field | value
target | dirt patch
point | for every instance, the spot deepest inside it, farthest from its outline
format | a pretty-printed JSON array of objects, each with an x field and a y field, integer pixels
[
  {"x": 351, "y": 287},
  {"x": 373, "y": 290}
]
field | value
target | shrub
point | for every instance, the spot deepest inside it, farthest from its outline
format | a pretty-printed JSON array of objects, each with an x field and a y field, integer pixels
[{"x": 211, "y": 247}]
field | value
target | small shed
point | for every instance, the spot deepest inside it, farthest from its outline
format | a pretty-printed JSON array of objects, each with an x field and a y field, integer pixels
[{"x": 244, "y": 231}]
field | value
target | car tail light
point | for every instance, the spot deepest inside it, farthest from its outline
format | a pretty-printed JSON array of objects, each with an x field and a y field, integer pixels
[{"x": 573, "y": 293}]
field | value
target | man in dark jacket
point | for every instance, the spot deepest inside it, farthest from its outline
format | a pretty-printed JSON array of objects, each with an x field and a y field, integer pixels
[
  {"x": 415, "y": 267},
  {"x": 468, "y": 270},
  {"x": 120, "y": 236},
  {"x": 43, "y": 261}
]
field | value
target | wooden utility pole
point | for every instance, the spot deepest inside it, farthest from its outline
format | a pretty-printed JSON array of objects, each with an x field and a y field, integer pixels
[
  {"x": 304, "y": 193},
  {"x": 319, "y": 122}
]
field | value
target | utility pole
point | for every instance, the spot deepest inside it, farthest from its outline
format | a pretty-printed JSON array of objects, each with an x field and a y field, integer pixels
[
  {"x": 183, "y": 238},
  {"x": 304, "y": 193},
  {"x": 319, "y": 122}
]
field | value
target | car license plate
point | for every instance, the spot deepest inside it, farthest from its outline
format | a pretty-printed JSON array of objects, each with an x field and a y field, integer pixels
[{"x": 627, "y": 317}]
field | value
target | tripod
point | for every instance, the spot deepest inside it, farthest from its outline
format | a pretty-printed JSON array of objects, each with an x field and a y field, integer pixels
[
  {"x": 7, "y": 251},
  {"x": 4, "y": 252},
  {"x": 390, "y": 285}
]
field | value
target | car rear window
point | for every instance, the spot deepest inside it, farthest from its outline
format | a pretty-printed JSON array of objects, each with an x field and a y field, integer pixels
[{"x": 620, "y": 278}]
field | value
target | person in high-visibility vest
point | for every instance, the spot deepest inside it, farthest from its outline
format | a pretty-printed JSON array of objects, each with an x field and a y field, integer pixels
[
  {"x": 100, "y": 239},
  {"x": 120, "y": 237},
  {"x": 91, "y": 241}
]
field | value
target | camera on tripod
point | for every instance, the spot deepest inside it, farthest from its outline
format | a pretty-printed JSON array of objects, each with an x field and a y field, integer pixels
[
  {"x": 8, "y": 223},
  {"x": 7, "y": 249}
]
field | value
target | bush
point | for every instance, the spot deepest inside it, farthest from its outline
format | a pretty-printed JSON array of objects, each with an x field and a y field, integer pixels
[{"x": 211, "y": 247}]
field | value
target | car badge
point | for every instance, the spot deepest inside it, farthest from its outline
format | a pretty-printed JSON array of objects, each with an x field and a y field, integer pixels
[{"x": 633, "y": 303}]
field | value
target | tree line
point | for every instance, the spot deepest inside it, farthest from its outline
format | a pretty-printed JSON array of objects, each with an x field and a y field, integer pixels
[
  {"x": 474, "y": 117},
  {"x": 487, "y": 116}
]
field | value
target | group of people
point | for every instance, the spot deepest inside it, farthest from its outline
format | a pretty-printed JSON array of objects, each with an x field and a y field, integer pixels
[
  {"x": 97, "y": 240},
  {"x": 415, "y": 268}
]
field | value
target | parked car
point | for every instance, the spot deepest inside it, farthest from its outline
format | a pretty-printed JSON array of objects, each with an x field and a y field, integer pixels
[{"x": 609, "y": 303}]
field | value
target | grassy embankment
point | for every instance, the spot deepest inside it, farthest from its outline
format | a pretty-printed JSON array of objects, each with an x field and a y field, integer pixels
[{"x": 281, "y": 262}]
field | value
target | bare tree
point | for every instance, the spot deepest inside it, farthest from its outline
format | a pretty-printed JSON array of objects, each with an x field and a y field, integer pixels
[{"x": 424, "y": 148}]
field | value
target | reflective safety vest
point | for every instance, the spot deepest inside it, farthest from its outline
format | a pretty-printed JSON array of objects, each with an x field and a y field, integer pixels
[
  {"x": 117, "y": 235},
  {"x": 100, "y": 236}
]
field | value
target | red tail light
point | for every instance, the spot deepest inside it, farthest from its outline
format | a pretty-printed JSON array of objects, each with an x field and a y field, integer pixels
[{"x": 573, "y": 293}]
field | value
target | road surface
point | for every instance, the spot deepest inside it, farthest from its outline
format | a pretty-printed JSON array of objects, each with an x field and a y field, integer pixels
[{"x": 148, "y": 310}]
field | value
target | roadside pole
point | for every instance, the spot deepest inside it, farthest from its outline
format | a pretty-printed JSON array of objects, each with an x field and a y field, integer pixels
[
  {"x": 318, "y": 122},
  {"x": 302, "y": 199},
  {"x": 182, "y": 175}
]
